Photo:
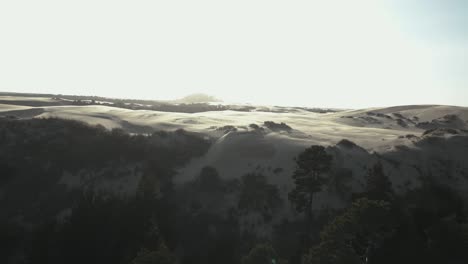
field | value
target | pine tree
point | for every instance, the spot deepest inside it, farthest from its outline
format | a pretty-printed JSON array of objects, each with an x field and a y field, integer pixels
[
  {"x": 209, "y": 180},
  {"x": 353, "y": 236},
  {"x": 378, "y": 186},
  {"x": 309, "y": 176}
]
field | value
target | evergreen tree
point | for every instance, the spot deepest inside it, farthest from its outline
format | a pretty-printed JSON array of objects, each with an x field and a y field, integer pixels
[
  {"x": 209, "y": 180},
  {"x": 378, "y": 185},
  {"x": 309, "y": 176},
  {"x": 353, "y": 237},
  {"x": 257, "y": 195}
]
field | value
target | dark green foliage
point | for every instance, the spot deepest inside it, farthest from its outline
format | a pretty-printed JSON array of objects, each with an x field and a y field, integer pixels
[
  {"x": 346, "y": 143},
  {"x": 208, "y": 238},
  {"x": 160, "y": 256},
  {"x": 262, "y": 254},
  {"x": 73, "y": 145},
  {"x": 288, "y": 240},
  {"x": 207, "y": 228},
  {"x": 156, "y": 180},
  {"x": 309, "y": 176},
  {"x": 34, "y": 155},
  {"x": 432, "y": 228},
  {"x": 100, "y": 229},
  {"x": 351, "y": 237},
  {"x": 254, "y": 126},
  {"x": 428, "y": 225},
  {"x": 378, "y": 185},
  {"x": 257, "y": 195},
  {"x": 11, "y": 236},
  {"x": 206, "y": 193},
  {"x": 209, "y": 180},
  {"x": 278, "y": 170},
  {"x": 277, "y": 126},
  {"x": 339, "y": 182},
  {"x": 227, "y": 129}
]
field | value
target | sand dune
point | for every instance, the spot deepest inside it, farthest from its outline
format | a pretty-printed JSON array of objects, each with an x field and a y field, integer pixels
[{"x": 376, "y": 129}]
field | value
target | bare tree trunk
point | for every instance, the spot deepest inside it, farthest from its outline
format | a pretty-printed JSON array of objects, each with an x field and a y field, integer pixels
[
  {"x": 309, "y": 207},
  {"x": 309, "y": 217}
]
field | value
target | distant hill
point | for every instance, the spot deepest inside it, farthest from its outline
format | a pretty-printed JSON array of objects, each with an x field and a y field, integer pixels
[{"x": 197, "y": 98}]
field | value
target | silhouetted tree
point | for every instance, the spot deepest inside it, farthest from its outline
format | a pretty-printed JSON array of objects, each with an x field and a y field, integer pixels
[
  {"x": 209, "y": 180},
  {"x": 309, "y": 176},
  {"x": 353, "y": 236},
  {"x": 339, "y": 182},
  {"x": 378, "y": 185},
  {"x": 258, "y": 195}
]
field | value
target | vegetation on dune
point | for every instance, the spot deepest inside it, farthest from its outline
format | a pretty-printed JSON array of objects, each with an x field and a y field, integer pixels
[{"x": 277, "y": 126}]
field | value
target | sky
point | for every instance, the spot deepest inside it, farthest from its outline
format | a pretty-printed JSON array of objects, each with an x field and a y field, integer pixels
[{"x": 326, "y": 53}]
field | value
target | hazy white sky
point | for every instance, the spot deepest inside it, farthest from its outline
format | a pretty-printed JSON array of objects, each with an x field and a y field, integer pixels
[{"x": 312, "y": 53}]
